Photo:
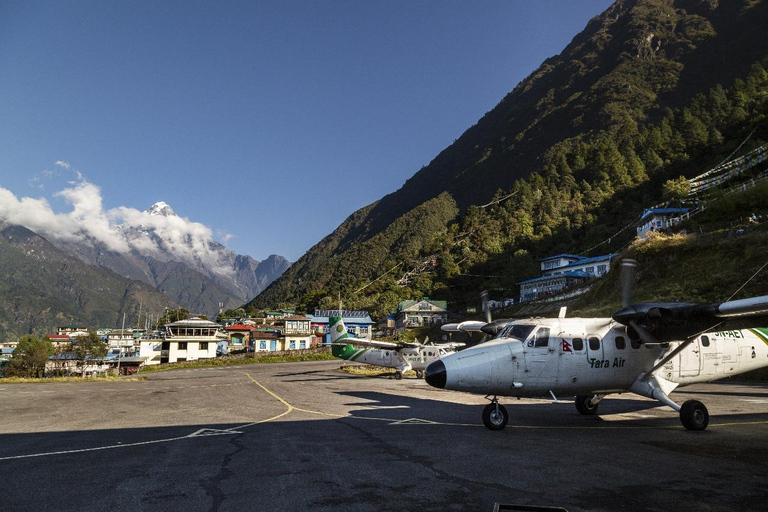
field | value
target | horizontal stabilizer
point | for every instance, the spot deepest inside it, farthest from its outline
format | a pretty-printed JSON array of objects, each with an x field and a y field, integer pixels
[{"x": 467, "y": 326}]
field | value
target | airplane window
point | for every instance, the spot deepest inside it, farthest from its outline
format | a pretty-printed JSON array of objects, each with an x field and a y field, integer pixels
[
  {"x": 620, "y": 343},
  {"x": 705, "y": 341},
  {"x": 520, "y": 332},
  {"x": 594, "y": 343},
  {"x": 542, "y": 337},
  {"x": 578, "y": 344}
]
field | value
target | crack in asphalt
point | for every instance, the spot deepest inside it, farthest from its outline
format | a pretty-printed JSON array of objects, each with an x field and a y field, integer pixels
[{"x": 212, "y": 486}]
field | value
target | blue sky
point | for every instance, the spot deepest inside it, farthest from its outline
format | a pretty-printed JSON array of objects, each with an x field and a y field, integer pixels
[{"x": 268, "y": 122}]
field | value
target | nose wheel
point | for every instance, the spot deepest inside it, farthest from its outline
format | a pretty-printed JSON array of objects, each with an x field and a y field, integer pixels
[{"x": 495, "y": 416}]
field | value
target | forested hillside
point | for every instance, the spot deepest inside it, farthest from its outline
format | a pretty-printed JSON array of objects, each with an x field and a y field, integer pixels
[
  {"x": 41, "y": 288},
  {"x": 649, "y": 91}
]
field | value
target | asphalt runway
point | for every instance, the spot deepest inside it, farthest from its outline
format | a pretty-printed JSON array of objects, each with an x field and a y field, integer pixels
[{"x": 307, "y": 436}]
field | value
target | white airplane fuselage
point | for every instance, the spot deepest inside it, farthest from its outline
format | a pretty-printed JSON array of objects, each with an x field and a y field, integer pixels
[
  {"x": 585, "y": 356},
  {"x": 405, "y": 359}
]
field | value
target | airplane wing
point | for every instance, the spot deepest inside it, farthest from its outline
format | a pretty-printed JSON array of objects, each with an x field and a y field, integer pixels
[
  {"x": 360, "y": 342},
  {"x": 659, "y": 322}
]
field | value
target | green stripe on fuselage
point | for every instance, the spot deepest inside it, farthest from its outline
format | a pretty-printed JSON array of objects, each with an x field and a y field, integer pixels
[
  {"x": 347, "y": 352},
  {"x": 762, "y": 333}
]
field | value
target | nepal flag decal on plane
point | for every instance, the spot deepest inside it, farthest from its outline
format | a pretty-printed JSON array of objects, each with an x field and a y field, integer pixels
[{"x": 566, "y": 346}]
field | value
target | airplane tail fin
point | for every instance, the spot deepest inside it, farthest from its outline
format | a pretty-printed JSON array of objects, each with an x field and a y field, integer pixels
[{"x": 338, "y": 333}]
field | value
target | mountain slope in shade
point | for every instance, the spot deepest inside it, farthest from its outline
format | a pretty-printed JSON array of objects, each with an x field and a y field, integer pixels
[
  {"x": 42, "y": 287},
  {"x": 630, "y": 64}
]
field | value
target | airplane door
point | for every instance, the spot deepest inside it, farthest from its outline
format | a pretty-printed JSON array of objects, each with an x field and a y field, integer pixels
[
  {"x": 690, "y": 360},
  {"x": 541, "y": 360},
  {"x": 595, "y": 349}
]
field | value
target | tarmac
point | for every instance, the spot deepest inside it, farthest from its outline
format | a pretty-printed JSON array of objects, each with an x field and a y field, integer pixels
[{"x": 307, "y": 436}]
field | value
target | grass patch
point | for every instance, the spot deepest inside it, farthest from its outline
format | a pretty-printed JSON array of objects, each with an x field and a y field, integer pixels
[
  {"x": 372, "y": 371},
  {"x": 251, "y": 358},
  {"x": 35, "y": 380}
]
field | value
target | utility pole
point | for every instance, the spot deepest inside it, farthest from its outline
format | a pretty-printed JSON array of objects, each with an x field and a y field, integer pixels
[{"x": 120, "y": 345}]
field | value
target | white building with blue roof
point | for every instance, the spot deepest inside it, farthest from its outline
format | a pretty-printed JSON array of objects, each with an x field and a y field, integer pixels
[
  {"x": 564, "y": 271},
  {"x": 658, "y": 219}
]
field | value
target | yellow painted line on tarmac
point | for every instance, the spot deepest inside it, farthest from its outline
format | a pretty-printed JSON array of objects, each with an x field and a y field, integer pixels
[{"x": 738, "y": 423}]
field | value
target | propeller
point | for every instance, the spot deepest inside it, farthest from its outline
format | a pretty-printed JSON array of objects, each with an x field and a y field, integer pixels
[
  {"x": 486, "y": 309},
  {"x": 628, "y": 272},
  {"x": 629, "y": 315}
]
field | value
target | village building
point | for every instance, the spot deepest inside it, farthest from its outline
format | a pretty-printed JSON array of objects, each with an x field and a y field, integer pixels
[
  {"x": 297, "y": 332},
  {"x": 237, "y": 336},
  {"x": 659, "y": 219},
  {"x": 411, "y": 314},
  {"x": 69, "y": 330},
  {"x": 387, "y": 327},
  {"x": 59, "y": 341},
  {"x": 264, "y": 340},
  {"x": 185, "y": 340},
  {"x": 562, "y": 272},
  {"x": 121, "y": 341}
]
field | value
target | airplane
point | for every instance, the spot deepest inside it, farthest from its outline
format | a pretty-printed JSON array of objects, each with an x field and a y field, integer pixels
[
  {"x": 647, "y": 348},
  {"x": 402, "y": 356}
]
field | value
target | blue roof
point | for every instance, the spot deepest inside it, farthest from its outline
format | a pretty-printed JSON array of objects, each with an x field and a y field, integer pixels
[
  {"x": 366, "y": 320},
  {"x": 561, "y": 256},
  {"x": 654, "y": 211},
  {"x": 572, "y": 273},
  {"x": 6, "y": 350},
  {"x": 594, "y": 259}
]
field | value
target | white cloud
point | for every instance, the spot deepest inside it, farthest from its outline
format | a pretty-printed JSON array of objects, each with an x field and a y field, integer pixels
[{"x": 118, "y": 229}]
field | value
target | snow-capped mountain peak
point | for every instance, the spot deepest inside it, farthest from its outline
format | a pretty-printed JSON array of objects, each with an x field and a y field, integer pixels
[{"x": 161, "y": 208}]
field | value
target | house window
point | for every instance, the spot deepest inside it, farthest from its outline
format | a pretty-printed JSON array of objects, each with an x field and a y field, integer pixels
[
  {"x": 590, "y": 270},
  {"x": 302, "y": 344},
  {"x": 183, "y": 345},
  {"x": 203, "y": 345},
  {"x": 263, "y": 345},
  {"x": 292, "y": 344},
  {"x": 601, "y": 269}
]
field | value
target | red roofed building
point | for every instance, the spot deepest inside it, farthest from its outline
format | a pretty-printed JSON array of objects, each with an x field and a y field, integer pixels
[
  {"x": 59, "y": 340},
  {"x": 237, "y": 336}
]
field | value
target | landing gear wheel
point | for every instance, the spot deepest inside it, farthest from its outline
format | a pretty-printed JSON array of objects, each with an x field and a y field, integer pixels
[
  {"x": 694, "y": 415},
  {"x": 419, "y": 374},
  {"x": 585, "y": 406},
  {"x": 495, "y": 416},
  {"x": 398, "y": 375}
]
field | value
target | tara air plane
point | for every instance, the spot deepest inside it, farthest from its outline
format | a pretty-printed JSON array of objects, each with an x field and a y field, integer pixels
[
  {"x": 645, "y": 348},
  {"x": 401, "y": 356}
]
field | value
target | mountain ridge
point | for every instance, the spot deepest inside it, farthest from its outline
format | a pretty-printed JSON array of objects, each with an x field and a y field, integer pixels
[{"x": 629, "y": 66}]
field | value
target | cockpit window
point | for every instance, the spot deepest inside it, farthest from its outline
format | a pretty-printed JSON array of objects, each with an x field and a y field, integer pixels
[{"x": 518, "y": 331}]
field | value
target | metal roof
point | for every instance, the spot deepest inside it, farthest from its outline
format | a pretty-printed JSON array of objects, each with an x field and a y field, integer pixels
[
  {"x": 662, "y": 211},
  {"x": 562, "y": 256},
  {"x": 571, "y": 273},
  {"x": 193, "y": 322}
]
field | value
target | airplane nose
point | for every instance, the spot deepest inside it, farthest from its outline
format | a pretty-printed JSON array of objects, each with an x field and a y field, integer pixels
[{"x": 435, "y": 374}]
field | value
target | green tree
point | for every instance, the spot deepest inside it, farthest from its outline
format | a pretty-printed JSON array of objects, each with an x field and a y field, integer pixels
[
  {"x": 30, "y": 357},
  {"x": 677, "y": 188},
  {"x": 88, "y": 349}
]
